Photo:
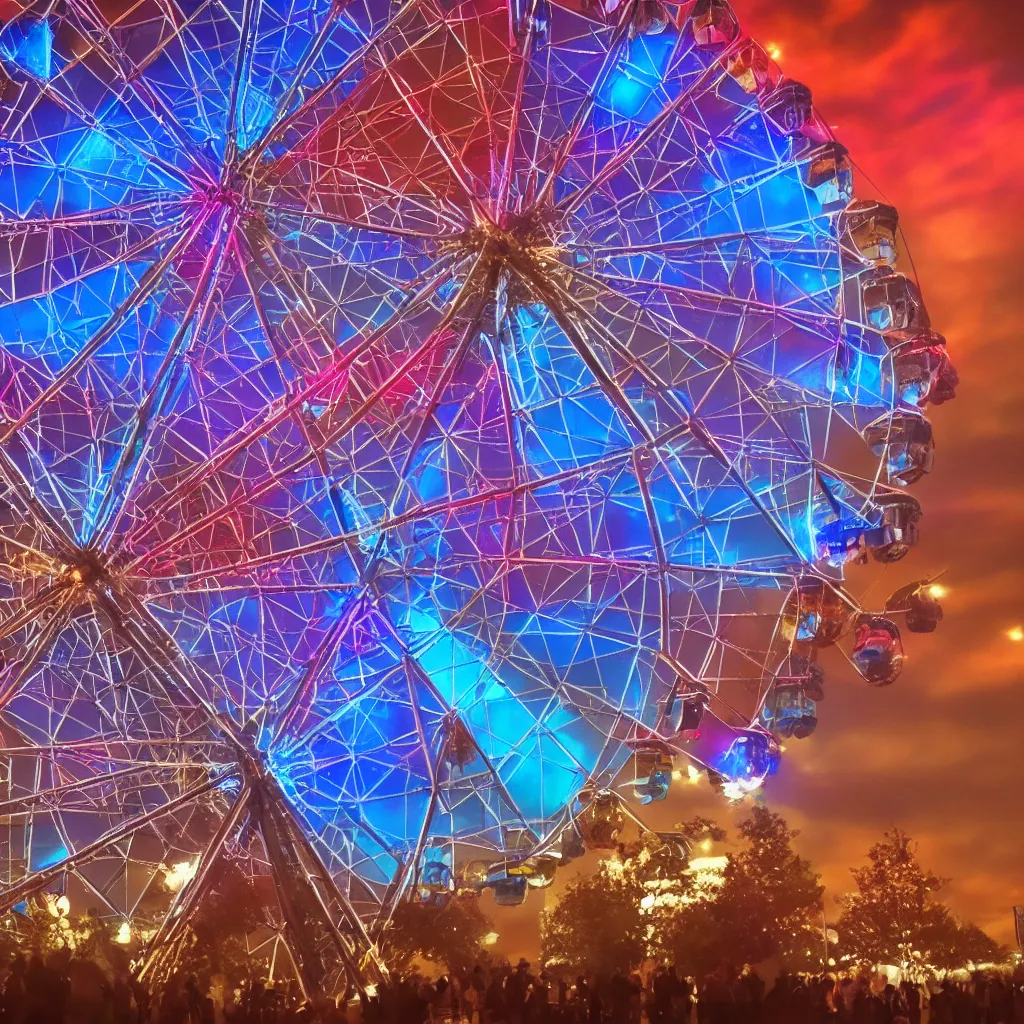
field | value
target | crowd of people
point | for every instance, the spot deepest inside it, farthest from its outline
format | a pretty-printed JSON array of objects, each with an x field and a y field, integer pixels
[
  {"x": 70, "y": 990},
  {"x": 506, "y": 995}
]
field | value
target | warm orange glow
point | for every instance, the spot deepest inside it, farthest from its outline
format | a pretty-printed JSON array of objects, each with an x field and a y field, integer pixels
[{"x": 899, "y": 89}]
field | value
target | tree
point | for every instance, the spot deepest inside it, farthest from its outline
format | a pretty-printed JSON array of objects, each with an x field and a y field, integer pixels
[
  {"x": 451, "y": 936},
  {"x": 769, "y": 904},
  {"x": 598, "y": 923},
  {"x": 895, "y": 916},
  {"x": 216, "y": 941},
  {"x": 965, "y": 944},
  {"x": 772, "y": 900},
  {"x": 610, "y": 920}
]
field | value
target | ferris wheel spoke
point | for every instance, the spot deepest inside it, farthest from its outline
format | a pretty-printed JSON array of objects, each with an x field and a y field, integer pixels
[
  {"x": 51, "y": 798},
  {"x": 48, "y": 89},
  {"x": 474, "y": 73},
  {"x": 452, "y": 365},
  {"x": 732, "y": 363},
  {"x": 305, "y": 65},
  {"x": 244, "y": 253},
  {"x": 115, "y": 59},
  {"x": 150, "y": 280},
  {"x": 109, "y": 216},
  {"x": 302, "y": 735},
  {"x": 429, "y": 759},
  {"x": 300, "y": 292},
  {"x": 658, "y": 539},
  {"x": 239, "y": 76},
  {"x": 37, "y": 880},
  {"x": 28, "y": 159},
  {"x": 49, "y": 286},
  {"x": 613, "y": 391},
  {"x": 394, "y": 231},
  {"x": 413, "y": 666},
  {"x": 380, "y": 190},
  {"x": 450, "y": 159},
  {"x": 298, "y": 701},
  {"x": 650, "y": 567},
  {"x": 697, "y": 430},
  {"x": 507, "y": 162},
  {"x": 672, "y": 245},
  {"x": 501, "y": 371},
  {"x": 112, "y": 749},
  {"x": 281, "y": 120},
  {"x": 36, "y": 647},
  {"x": 263, "y": 424},
  {"x": 800, "y": 318},
  {"x": 31, "y": 611},
  {"x": 151, "y": 409},
  {"x": 186, "y": 901},
  {"x": 712, "y": 76},
  {"x": 583, "y": 112},
  {"x": 614, "y": 288},
  {"x": 158, "y": 650}
]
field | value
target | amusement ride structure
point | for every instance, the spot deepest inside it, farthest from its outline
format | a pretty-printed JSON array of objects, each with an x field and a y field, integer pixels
[{"x": 422, "y": 423}]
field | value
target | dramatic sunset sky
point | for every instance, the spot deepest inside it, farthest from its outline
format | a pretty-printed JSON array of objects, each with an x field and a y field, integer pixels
[{"x": 928, "y": 95}]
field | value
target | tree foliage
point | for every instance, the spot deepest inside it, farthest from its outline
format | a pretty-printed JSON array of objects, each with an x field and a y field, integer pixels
[
  {"x": 768, "y": 905},
  {"x": 217, "y": 939},
  {"x": 894, "y": 915},
  {"x": 648, "y": 902},
  {"x": 604, "y": 921},
  {"x": 966, "y": 944},
  {"x": 450, "y": 936},
  {"x": 597, "y": 923}
]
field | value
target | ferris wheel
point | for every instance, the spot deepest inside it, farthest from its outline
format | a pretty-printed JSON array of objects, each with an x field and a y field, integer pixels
[{"x": 415, "y": 419}]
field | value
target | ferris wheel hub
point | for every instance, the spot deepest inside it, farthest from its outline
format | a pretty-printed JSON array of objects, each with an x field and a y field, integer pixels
[
  {"x": 89, "y": 570},
  {"x": 515, "y": 260}
]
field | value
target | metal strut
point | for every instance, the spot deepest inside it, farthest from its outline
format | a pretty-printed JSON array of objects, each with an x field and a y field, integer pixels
[{"x": 316, "y": 939}]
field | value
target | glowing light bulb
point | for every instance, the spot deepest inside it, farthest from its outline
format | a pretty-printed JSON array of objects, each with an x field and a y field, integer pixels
[
  {"x": 774, "y": 51},
  {"x": 179, "y": 874},
  {"x": 1016, "y": 634},
  {"x": 124, "y": 934},
  {"x": 706, "y": 845},
  {"x": 489, "y": 939},
  {"x": 938, "y": 591}
]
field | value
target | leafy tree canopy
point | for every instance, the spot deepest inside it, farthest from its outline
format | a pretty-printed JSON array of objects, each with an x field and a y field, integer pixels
[
  {"x": 451, "y": 936},
  {"x": 894, "y": 916}
]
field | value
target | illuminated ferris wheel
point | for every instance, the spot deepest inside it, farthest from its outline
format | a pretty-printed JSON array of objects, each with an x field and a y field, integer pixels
[{"x": 417, "y": 419}]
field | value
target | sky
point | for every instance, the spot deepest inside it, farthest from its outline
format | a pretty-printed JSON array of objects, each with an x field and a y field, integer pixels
[{"x": 928, "y": 96}]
